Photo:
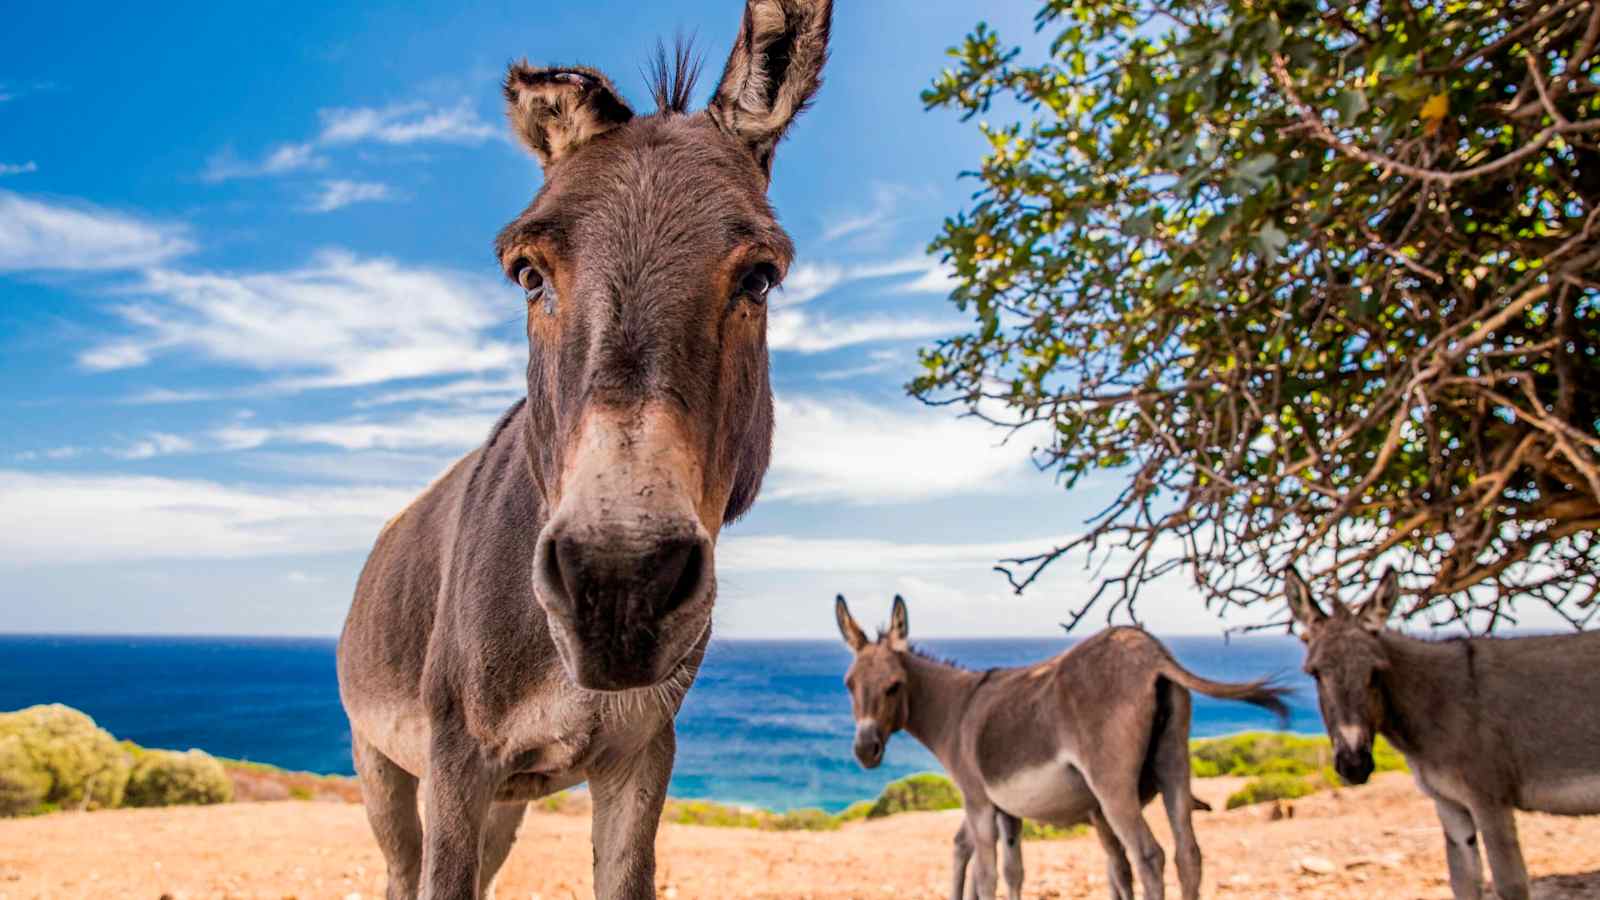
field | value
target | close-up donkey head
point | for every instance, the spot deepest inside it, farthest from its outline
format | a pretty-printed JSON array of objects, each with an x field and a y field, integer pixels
[
  {"x": 647, "y": 258},
  {"x": 1348, "y": 662},
  {"x": 876, "y": 680}
]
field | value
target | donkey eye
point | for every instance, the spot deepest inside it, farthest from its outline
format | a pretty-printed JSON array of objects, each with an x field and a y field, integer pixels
[
  {"x": 531, "y": 280},
  {"x": 894, "y": 689},
  {"x": 758, "y": 282}
]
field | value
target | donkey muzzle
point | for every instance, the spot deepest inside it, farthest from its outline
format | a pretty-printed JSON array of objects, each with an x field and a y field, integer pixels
[
  {"x": 1354, "y": 765},
  {"x": 624, "y": 569},
  {"x": 869, "y": 745}
]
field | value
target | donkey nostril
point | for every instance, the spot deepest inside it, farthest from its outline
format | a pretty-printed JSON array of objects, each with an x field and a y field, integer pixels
[{"x": 686, "y": 560}]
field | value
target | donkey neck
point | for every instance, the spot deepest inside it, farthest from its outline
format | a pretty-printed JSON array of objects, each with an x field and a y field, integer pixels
[
  {"x": 1429, "y": 686},
  {"x": 938, "y": 694}
]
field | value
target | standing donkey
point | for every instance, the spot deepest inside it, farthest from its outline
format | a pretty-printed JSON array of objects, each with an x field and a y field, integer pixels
[
  {"x": 1092, "y": 734},
  {"x": 1487, "y": 726},
  {"x": 533, "y": 619}
]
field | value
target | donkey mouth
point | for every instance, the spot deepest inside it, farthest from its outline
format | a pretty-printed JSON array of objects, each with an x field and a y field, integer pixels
[{"x": 1354, "y": 768}]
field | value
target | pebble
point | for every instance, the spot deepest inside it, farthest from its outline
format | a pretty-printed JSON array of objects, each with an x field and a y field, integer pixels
[{"x": 1317, "y": 865}]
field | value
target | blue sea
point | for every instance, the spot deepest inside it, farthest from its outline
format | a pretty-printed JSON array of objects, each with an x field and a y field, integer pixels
[{"x": 767, "y": 723}]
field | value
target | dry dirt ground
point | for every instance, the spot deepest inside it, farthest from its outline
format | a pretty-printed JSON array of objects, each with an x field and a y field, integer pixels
[{"x": 1379, "y": 841}]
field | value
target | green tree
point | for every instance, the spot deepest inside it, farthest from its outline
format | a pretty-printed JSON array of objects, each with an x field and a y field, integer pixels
[{"x": 1317, "y": 281}]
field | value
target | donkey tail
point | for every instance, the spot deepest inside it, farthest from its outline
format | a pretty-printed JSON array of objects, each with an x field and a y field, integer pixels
[{"x": 1267, "y": 693}]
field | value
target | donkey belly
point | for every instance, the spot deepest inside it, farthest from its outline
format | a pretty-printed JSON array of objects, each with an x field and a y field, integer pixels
[
  {"x": 1054, "y": 792},
  {"x": 1573, "y": 795}
]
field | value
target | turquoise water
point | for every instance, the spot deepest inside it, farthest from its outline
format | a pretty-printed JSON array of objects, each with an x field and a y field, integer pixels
[{"x": 767, "y": 723}]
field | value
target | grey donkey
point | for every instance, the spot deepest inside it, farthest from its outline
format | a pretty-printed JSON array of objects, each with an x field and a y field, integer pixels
[
  {"x": 1092, "y": 734},
  {"x": 534, "y": 618},
  {"x": 1487, "y": 725}
]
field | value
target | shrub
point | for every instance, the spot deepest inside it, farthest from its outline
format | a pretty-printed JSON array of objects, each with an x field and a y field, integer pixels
[
  {"x": 915, "y": 793},
  {"x": 807, "y": 819},
  {"x": 1040, "y": 831},
  {"x": 857, "y": 811},
  {"x": 1265, "y": 753},
  {"x": 55, "y": 756},
  {"x": 170, "y": 778},
  {"x": 1273, "y": 787},
  {"x": 23, "y": 785}
]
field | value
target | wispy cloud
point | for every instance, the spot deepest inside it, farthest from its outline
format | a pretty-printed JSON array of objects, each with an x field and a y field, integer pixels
[
  {"x": 53, "y": 454},
  {"x": 71, "y": 235},
  {"x": 843, "y": 448},
  {"x": 281, "y": 160},
  {"x": 341, "y": 320},
  {"x": 405, "y": 123},
  {"x": 785, "y": 553},
  {"x": 418, "y": 431},
  {"x": 801, "y": 332},
  {"x": 808, "y": 281},
  {"x": 397, "y": 124},
  {"x": 102, "y": 518},
  {"x": 339, "y": 193},
  {"x": 18, "y": 168},
  {"x": 157, "y": 444},
  {"x": 876, "y": 221}
]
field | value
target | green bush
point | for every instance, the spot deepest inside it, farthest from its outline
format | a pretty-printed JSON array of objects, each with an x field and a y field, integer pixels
[
  {"x": 23, "y": 785},
  {"x": 856, "y": 811},
  {"x": 56, "y": 757},
  {"x": 807, "y": 819},
  {"x": 171, "y": 778},
  {"x": 1274, "y": 787},
  {"x": 1039, "y": 831},
  {"x": 1256, "y": 753},
  {"x": 916, "y": 793}
]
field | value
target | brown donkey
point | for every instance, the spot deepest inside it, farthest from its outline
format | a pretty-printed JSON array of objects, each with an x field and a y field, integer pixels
[
  {"x": 1486, "y": 725},
  {"x": 1090, "y": 735},
  {"x": 534, "y": 618}
]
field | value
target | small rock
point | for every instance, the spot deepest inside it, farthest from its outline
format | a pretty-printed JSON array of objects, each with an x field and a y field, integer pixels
[{"x": 1316, "y": 865}]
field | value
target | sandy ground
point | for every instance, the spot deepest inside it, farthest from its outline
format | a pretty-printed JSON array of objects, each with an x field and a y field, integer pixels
[{"x": 1379, "y": 841}]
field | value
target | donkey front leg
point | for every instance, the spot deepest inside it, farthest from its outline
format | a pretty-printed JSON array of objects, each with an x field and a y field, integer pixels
[
  {"x": 959, "y": 857},
  {"x": 981, "y": 825},
  {"x": 629, "y": 792},
  {"x": 1461, "y": 850},
  {"x": 1498, "y": 825},
  {"x": 458, "y": 792},
  {"x": 1011, "y": 846}
]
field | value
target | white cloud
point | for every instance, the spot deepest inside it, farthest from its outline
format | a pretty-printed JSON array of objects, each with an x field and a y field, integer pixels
[
  {"x": 872, "y": 222},
  {"x": 935, "y": 278},
  {"x": 54, "y": 453},
  {"x": 283, "y": 159},
  {"x": 797, "y": 331},
  {"x": 339, "y": 193},
  {"x": 808, "y": 281},
  {"x": 406, "y": 123},
  {"x": 157, "y": 444},
  {"x": 784, "y": 553},
  {"x": 35, "y": 235},
  {"x": 101, "y": 518},
  {"x": 18, "y": 168},
  {"x": 338, "y": 321},
  {"x": 843, "y": 448},
  {"x": 416, "y": 431},
  {"x": 473, "y": 392}
]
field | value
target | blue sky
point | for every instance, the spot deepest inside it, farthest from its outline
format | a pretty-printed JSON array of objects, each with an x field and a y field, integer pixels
[{"x": 248, "y": 308}]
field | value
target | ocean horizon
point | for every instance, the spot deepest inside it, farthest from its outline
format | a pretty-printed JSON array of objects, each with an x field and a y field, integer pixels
[{"x": 767, "y": 723}]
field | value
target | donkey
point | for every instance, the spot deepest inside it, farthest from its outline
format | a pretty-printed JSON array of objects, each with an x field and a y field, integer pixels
[
  {"x": 1487, "y": 725},
  {"x": 1092, "y": 734},
  {"x": 534, "y": 618}
]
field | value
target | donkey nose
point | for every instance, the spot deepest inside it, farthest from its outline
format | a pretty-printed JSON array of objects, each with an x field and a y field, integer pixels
[
  {"x": 611, "y": 593},
  {"x": 639, "y": 580}
]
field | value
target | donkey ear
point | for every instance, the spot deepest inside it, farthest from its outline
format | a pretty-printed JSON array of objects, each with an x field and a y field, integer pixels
[
  {"x": 848, "y": 629},
  {"x": 899, "y": 624},
  {"x": 1301, "y": 604},
  {"x": 556, "y": 110},
  {"x": 775, "y": 68},
  {"x": 1376, "y": 611}
]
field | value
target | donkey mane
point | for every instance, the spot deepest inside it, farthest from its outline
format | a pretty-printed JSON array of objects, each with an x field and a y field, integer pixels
[{"x": 672, "y": 77}]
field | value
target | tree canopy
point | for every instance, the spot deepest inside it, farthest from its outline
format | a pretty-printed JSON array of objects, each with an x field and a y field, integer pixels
[{"x": 1315, "y": 282}]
